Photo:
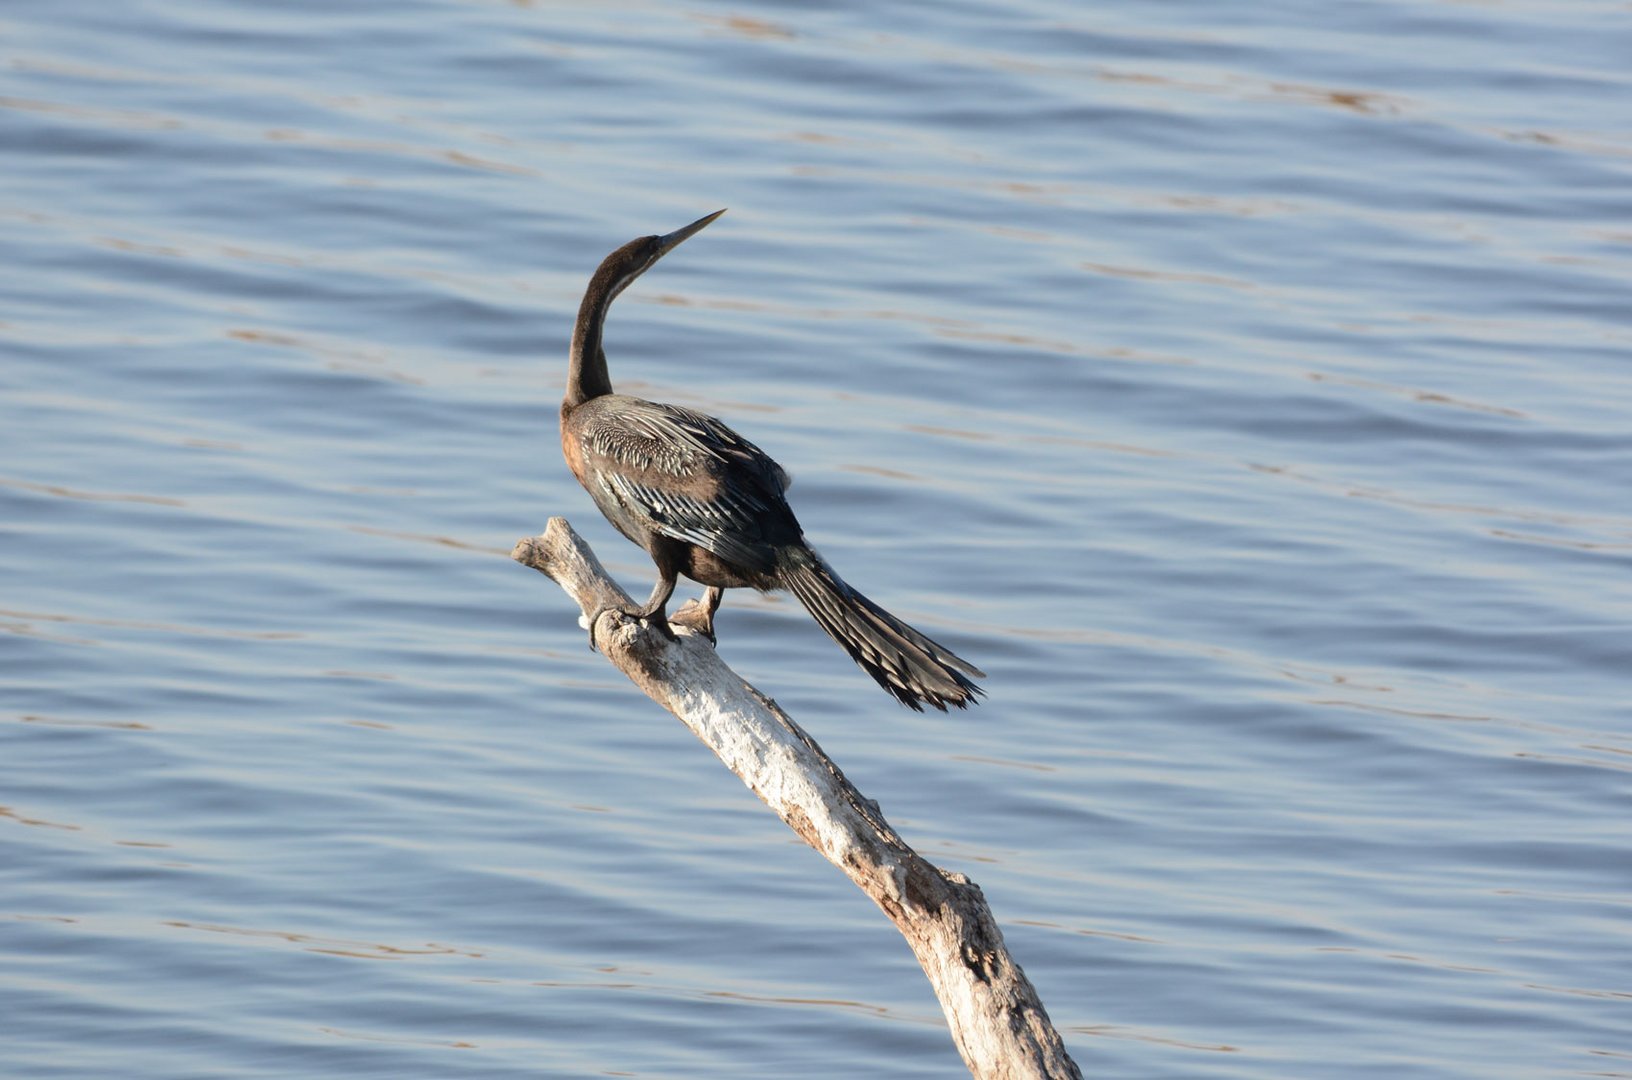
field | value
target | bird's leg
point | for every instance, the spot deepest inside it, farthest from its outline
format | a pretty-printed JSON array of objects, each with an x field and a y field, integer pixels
[
  {"x": 652, "y": 612},
  {"x": 699, "y": 614}
]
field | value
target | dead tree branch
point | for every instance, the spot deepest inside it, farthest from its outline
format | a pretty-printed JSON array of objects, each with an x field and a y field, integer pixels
[{"x": 997, "y": 1022}]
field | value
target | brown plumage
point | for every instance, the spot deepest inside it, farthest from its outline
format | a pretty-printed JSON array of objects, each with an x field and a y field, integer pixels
[{"x": 709, "y": 504}]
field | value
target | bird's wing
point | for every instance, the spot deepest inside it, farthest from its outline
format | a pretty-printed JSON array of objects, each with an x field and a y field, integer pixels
[{"x": 693, "y": 479}]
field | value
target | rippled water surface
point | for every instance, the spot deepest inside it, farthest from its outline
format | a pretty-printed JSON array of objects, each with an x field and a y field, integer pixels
[{"x": 1245, "y": 387}]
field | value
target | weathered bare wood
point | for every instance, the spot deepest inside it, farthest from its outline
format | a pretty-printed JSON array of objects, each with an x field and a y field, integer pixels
[{"x": 997, "y": 1022}]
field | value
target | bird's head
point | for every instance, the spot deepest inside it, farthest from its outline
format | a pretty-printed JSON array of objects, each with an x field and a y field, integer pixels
[{"x": 636, "y": 257}]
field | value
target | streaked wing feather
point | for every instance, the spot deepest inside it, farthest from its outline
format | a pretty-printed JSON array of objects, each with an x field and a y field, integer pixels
[{"x": 695, "y": 479}]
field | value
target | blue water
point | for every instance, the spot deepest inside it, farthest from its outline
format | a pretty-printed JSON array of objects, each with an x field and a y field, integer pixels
[{"x": 1244, "y": 387}]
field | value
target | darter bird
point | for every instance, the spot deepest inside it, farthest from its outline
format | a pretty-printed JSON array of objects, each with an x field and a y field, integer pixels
[{"x": 707, "y": 503}]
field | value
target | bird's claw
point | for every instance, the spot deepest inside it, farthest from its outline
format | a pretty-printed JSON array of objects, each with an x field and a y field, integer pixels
[
  {"x": 656, "y": 622},
  {"x": 695, "y": 617},
  {"x": 595, "y": 617}
]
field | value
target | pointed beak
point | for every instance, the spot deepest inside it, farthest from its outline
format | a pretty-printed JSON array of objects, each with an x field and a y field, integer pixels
[{"x": 666, "y": 244}]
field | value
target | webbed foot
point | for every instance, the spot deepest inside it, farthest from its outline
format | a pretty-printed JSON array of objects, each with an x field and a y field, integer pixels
[
  {"x": 697, "y": 616},
  {"x": 655, "y": 620}
]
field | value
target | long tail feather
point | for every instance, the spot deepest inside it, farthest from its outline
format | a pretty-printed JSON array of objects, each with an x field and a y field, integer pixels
[{"x": 916, "y": 670}]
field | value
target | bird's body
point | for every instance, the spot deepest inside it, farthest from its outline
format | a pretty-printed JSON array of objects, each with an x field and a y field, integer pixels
[{"x": 707, "y": 503}]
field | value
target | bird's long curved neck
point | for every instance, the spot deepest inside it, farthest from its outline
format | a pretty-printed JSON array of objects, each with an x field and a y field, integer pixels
[{"x": 586, "y": 372}]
